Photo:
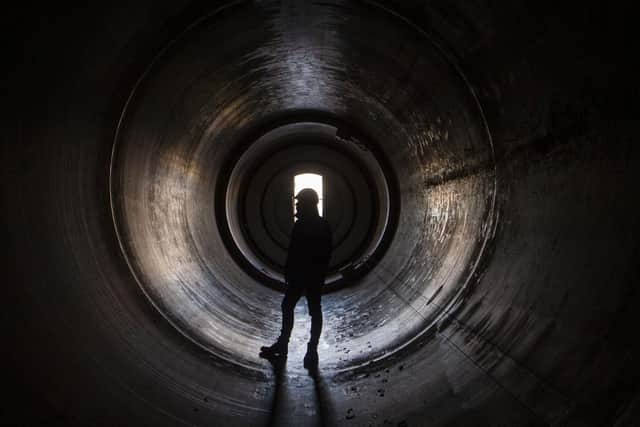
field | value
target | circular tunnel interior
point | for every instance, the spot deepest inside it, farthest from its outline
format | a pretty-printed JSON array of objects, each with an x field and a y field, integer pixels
[
  {"x": 477, "y": 179},
  {"x": 175, "y": 140}
]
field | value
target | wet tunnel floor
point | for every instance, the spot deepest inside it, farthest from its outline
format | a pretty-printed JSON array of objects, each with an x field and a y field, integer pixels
[{"x": 413, "y": 391}]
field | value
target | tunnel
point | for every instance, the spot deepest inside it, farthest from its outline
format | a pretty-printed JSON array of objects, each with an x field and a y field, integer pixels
[{"x": 478, "y": 163}]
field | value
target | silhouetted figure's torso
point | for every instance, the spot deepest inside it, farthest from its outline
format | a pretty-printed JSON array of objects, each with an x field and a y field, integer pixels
[{"x": 309, "y": 252}]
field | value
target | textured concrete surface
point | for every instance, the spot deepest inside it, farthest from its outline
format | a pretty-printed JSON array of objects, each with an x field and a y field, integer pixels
[{"x": 506, "y": 296}]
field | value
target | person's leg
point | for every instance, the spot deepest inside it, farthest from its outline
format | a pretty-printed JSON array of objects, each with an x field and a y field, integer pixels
[
  {"x": 280, "y": 347},
  {"x": 291, "y": 297},
  {"x": 315, "y": 309}
]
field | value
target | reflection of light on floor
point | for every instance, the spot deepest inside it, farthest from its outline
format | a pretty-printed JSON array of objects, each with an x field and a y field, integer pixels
[
  {"x": 309, "y": 180},
  {"x": 298, "y": 399}
]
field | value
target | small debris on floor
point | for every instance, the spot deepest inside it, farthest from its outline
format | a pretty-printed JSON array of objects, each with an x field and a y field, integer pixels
[{"x": 350, "y": 414}]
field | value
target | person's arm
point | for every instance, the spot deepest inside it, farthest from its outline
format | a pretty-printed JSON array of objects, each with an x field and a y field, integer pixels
[
  {"x": 328, "y": 245},
  {"x": 291, "y": 253}
]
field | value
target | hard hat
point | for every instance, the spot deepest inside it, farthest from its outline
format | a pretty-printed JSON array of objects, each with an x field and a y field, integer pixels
[{"x": 307, "y": 195}]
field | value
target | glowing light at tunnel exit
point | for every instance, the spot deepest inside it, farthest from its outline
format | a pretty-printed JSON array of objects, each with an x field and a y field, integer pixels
[{"x": 309, "y": 180}]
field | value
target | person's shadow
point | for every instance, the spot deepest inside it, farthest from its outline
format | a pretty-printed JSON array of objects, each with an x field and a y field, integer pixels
[
  {"x": 277, "y": 364},
  {"x": 284, "y": 398},
  {"x": 321, "y": 400}
]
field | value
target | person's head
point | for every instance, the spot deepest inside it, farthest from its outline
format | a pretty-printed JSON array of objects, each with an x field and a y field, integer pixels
[{"x": 306, "y": 203}]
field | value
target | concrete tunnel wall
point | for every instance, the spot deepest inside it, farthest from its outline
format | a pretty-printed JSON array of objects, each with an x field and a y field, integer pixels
[{"x": 506, "y": 296}]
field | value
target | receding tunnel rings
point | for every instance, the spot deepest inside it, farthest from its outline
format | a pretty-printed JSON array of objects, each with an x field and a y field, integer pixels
[
  {"x": 257, "y": 195},
  {"x": 206, "y": 100}
]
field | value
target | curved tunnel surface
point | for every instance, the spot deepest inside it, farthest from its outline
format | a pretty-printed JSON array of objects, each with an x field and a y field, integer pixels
[{"x": 479, "y": 167}]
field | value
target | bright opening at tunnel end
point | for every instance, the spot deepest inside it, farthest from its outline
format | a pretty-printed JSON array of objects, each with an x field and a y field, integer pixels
[{"x": 309, "y": 180}]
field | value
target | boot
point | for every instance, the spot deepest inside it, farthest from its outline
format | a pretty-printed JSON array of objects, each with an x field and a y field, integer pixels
[
  {"x": 277, "y": 349},
  {"x": 311, "y": 358}
]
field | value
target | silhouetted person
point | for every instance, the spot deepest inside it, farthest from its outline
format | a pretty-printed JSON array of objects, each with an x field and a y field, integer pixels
[{"x": 305, "y": 270}]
